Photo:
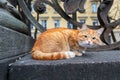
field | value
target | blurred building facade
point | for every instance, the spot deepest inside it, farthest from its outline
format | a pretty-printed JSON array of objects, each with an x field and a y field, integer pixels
[{"x": 51, "y": 19}]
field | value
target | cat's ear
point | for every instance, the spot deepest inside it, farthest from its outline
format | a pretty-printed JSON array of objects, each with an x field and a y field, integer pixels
[
  {"x": 84, "y": 27},
  {"x": 100, "y": 30}
]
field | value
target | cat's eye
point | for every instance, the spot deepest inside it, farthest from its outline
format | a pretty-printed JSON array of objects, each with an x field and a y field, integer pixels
[
  {"x": 93, "y": 38},
  {"x": 85, "y": 36}
]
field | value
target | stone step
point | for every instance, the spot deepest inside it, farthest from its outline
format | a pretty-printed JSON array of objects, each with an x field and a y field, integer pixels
[
  {"x": 13, "y": 43},
  {"x": 103, "y": 65},
  {"x": 4, "y": 66}
]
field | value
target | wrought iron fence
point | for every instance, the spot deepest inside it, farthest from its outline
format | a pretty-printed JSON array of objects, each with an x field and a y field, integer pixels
[{"x": 70, "y": 6}]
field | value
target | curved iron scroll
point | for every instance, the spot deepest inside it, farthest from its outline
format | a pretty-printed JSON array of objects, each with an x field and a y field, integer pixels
[
  {"x": 103, "y": 10},
  {"x": 102, "y": 15},
  {"x": 71, "y": 6},
  {"x": 55, "y": 5},
  {"x": 29, "y": 16}
]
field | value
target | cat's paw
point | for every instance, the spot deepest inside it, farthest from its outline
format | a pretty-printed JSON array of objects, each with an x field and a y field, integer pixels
[
  {"x": 70, "y": 54},
  {"x": 79, "y": 54}
]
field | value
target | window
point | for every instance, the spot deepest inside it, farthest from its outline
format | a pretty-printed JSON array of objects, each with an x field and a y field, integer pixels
[
  {"x": 95, "y": 22},
  {"x": 94, "y": 7},
  {"x": 56, "y": 23},
  {"x": 82, "y": 21},
  {"x": 69, "y": 25},
  {"x": 44, "y": 23}
]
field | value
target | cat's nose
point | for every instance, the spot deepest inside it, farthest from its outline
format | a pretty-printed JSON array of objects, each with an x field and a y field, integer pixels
[{"x": 89, "y": 42}]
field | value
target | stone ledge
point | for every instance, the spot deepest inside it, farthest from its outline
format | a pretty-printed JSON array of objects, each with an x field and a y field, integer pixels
[
  {"x": 4, "y": 66},
  {"x": 103, "y": 65},
  {"x": 13, "y": 43}
]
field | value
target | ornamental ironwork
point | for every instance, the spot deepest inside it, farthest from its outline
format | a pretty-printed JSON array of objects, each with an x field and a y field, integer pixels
[{"x": 70, "y": 7}]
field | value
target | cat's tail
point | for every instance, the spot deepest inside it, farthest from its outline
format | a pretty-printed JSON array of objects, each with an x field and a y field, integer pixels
[{"x": 38, "y": 55}]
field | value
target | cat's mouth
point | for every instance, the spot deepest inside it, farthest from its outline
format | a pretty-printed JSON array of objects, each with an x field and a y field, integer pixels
[{"x": 87, "y": 44}]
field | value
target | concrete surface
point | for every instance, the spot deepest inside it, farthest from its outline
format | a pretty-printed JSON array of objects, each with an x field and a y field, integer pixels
[
  {"x": 13, "y": 43},
  {"x": 103, "y": 65},
  {"x": 4, "y": 66}
]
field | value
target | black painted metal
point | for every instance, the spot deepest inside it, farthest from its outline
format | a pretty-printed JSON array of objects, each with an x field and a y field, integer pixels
[
  {"x": 29, "y": 15},
  {"x": 102, "y": 14},
  {"x": 71, "y": 6},
  {"x": 103, "y": 10}
]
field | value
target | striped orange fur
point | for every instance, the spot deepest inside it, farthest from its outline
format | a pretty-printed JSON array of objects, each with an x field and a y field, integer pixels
[{"x": 63, "y": 43}]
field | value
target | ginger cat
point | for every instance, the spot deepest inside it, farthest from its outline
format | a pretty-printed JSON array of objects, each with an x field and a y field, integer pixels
[{"x": 63, "y": 43}]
